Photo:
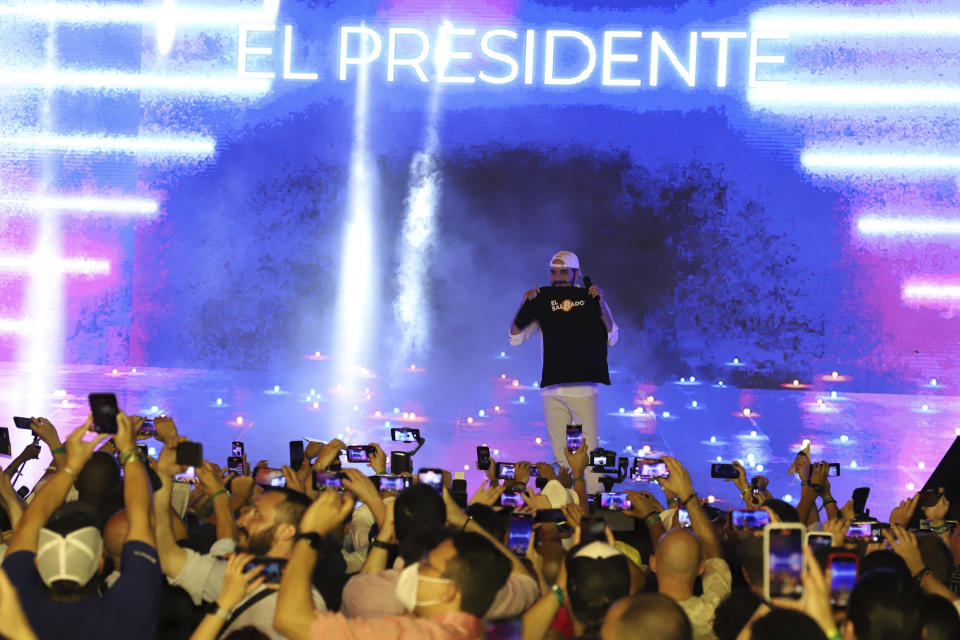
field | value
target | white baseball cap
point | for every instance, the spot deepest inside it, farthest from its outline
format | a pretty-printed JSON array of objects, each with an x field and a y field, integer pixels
[
  {"x": 564, "y": 260},
  {"x": 74, "y": 556}
]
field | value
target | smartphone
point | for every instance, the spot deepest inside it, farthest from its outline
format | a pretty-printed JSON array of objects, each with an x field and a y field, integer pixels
[
  {"x": 483, "y": 458},
  {"x": 860, "y": 496},
  {"x": 148, "y": 428},
  {"x": 458, "y": 491},
  {"x": 819, "y": 540},
  {"x": 747, "y": 520},
  {"x": 783, "y": 562},
  {"x": 272, "y": 568},
  {"x": 844, "y": 567},
  {"x": 4, "y": 441},
  {"x": 574, "y": 437},
  {"x": 190, "y": 454},
  {"x": 400, "y": 462},
  {"x": 550, "y": 515},
  {"x": 237, "y": 448},
  {"x": 358, "y": 453},
  {"x": 392, "y": 483},
  {"x": 506, "y": 470},
  {"x": 235, "y": 465},
  {"x": 512, "y": 499},
  {"x": 267, "y": 477},
  {"x": 649, "y": 469},
  {"x": 592, "y": 529},
  {"x": 21, "y": 423},
  {"x": 104, "y": 408},
  {"x": 929, "y": 498},
  {"x": 189, "y": 476},
  {"x": 143, "y": 450},
  {"x": 723, "y": 470},
  {"x": 432, "y": 478},
  {"x": 518, "y": 535},
  {"x": 683, "y": 517},
  {"x": 615, "y": 500},
  {"x": 860, "y": 531},
  {"x": 404, "y": 434},
  {"x": 833, "y": 469},
  {"x": 876, "y": 531},
  {"x": 296, "y": 454},
  {"x": 327, "y": 480},
  {"x": 602, "y": 460}
]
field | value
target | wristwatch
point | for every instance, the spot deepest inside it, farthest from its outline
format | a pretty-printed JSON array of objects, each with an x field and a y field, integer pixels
[{"x": 314, "y": 538}]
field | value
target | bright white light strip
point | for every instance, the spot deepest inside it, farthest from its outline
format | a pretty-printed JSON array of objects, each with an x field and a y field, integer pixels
[
  {"x": 8, "y": 325},
  {"x": 199, "y": 147},
  {"x": 33, "y": 265},
  {"x": 117, "y": 81},
  {"x": 132, "y": 206},
  {"x": 93, "y": 13},
  {"x": 931, "y": 292},
  {"x": 908, "y": 226},
  {"x": 865, "y": 95},
  {"x": 827, "y": 23},
  {"x": 866, "y": 162}
]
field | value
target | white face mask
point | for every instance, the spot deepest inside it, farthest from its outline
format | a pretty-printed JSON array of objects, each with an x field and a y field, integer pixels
[{"x": 408, "y": 585}]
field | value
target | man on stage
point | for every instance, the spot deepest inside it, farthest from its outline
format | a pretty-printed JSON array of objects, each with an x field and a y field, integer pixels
[{"x": 576, "y": 328}]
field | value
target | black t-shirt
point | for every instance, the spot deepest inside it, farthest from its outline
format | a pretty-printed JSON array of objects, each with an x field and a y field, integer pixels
[
  {"x": 129, "y": 609},
  {"x": 574, "y": 336}
]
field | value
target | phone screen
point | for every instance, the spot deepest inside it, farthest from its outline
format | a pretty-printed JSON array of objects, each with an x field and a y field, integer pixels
[
  {"x": 21, "y": 423},
  {"x": 785, "y": 562},
  {"x": 237, "y": 448},
  {"x": 833, "y": 469},
  {"x": 615, "y": 500},
  {"x": 723, "y": 470},
  {"x": 296, "y": 454},
  {"x": 391, "y": 483},
  {"x": 574, "y": 437},
  {"x": 357, "y": 453},
  {"x": 431, "y": 477},
  {"x": 819, "y": 540},
  {"x": 511, "y": 499},
  {"x": 404, "y": 434},
  {"x": 744, "y": 519},
  {"x": 860, "y": 530},
  {"x": 147, "y": 428},
  {"x": 235, "y": 465},
  {"x": 267, "y": 477},
  {"x": 272, "y": 568},
  {"x": 189, "y": 476},
  {"x": 506, "y": 470},
  {"x": 326, "y": 480},
  {"x": 4, "y": 441},
  {"x": 103, "y": 406},
  {"x": 483, "y": 458},
  {"x": 518, "y": 537},
  {"x": 683, "y": 517},
  {"x": 648, "y": 469},
  {"x": 843, "y": 577}
]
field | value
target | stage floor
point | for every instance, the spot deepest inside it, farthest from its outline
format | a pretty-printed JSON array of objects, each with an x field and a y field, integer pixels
[{"x": 888, "y": 442}]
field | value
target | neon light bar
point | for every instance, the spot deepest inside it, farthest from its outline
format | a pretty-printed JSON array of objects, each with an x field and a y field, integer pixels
[
  {"x": 31, "y": 202},
  {"x": 131, "y": 14},
  {"x": 825, "y": 23},
  {"x": 908, "y": 226},
  {"x": 857, "y": 95},
  {"x": 859, "y": 162},
  {"x": 8, "y": 325},
  {"x": 116, "y": 81},
  {"x": 931, "y": 292},
  {"x": 73, "y": 266},
  {"x": 199, "y": 147}
]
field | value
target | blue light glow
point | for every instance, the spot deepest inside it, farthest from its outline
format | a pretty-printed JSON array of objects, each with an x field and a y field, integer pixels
[
  {"x": 91, "y": 143},
  {"x": 908, "y": 226},
  {"x": 81, "y": 204}
]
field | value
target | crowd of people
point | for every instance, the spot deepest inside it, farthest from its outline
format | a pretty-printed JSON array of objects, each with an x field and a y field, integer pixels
[{"x": 113, "y": 544}]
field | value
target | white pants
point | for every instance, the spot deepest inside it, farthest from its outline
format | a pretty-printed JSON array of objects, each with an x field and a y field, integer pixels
[{"x": 558, "y": 412}]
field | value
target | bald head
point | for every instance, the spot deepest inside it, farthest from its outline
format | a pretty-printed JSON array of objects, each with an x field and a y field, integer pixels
[
  {"x": 115, "y": 534},
  {"x": 678, "y": 555},
  {"x": 660, "y": 618}
]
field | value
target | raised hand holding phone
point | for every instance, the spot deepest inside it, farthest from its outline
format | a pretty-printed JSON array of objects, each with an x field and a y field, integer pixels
[
  {"x": 78, "y": 451},
  {"x": 815, "y": 601},
  {"x": 238, "y": 584}
]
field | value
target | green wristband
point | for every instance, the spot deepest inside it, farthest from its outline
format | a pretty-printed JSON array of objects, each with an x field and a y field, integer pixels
[
  {"x": 60, "y": 449},
  {"x": 223, "y": 491},
  {"x": 558, "y": 594},
  {"x": 580, "y": 479}
]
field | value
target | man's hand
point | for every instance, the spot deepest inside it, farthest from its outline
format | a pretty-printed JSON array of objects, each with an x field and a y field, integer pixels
[
  {"x": 487, "y": 496},
  {"x": 360, "y": 485},
  {"x": 378, "y": 459},
  {"x": 902, "y": 513},
  {"x": 491, "y": 473},
  {"x": 546, "y": 471},
  {"x": 210, "y": 477},
  {"x": 328, "y": 454},
  {"x": 46, "y": 432},
  {"x": 327, "y": 512},
  {"x": 522, "y": 475},
  {"x": 816, "y": 595},
  {"x": 595, "y": 292},
  {"x": 167, "y": 466},
  {"x": 904, "y": 544},
  {"x": 741, "y": 480},
  {"x": 15, "y": 623},
  {"x": 818, "y": 476},
  {"x": 678, "y": 482},
  {"x": 531, "y": 294},
  {"x": 938, "y": 512},
  {"x": 802, "y": 465},
  {"x": 643, "y": 504},
  {"x": 166, "y": 428},
  {"x": 578, "y": 459},
  {"x": 78, "y": 451},
  {"x": 573, "y": 513},
  {"x": 536, "y": 501},
  {"x": 237, "y": 585},
  {"x": 838, "y": 527},
  {"x": 126, "y": 437},
  {"x": 455, "y": 516}
]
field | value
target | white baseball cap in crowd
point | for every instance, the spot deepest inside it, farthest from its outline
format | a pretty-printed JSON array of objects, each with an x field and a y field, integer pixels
[
  {"x": 564, "y": 260},
  {"x": 74, "y": 557},
  {"x": 558, "y": 495}
]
